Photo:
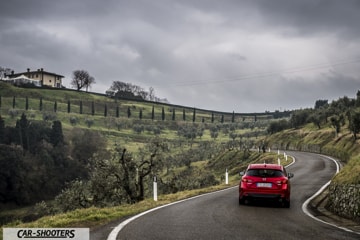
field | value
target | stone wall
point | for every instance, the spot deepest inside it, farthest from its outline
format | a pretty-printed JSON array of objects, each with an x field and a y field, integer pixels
[{"x": 344, "y": 200}]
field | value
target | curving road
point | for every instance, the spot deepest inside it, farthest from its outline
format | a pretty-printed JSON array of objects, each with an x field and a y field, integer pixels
[{"x": 219, "y": 216}]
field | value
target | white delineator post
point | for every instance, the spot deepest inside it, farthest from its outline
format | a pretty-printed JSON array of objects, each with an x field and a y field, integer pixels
[
  {"x": 279, "y": 161},
  {"x": 226, "y": 177},
  {"x": 155, "y": 189}
]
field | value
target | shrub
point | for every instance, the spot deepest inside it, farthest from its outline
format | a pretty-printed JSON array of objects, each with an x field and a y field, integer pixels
[
  {"x": 73, "y": 120},
  {"x": 13, "y": 113},
  {"x": 89, "y": 122},
  {"x": 49, "y": 116}
]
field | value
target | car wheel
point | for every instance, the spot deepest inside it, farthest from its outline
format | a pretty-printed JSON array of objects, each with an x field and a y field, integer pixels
[
  {"x": 286, "y": 203},
  {"x": 241, "y": 201}
]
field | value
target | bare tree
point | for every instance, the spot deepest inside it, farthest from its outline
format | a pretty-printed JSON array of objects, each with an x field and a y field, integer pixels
[
  {"x": 130, "y": 90},
  {"x": 149, "y": 163},
  {"x": 81, "y": 79},
  {"x": 151, "y": 94},
  {"x": 4, "y": 72},
  {"x": 143, "y": 94}
]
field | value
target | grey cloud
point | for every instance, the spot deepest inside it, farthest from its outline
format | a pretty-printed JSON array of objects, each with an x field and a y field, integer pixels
[
  {"x": 223, "y": 55},
  {"x": 314, "y": 17}
]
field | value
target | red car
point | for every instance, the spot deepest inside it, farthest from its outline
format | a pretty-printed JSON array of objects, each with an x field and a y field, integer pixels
[{"x": 265, "y": 181}]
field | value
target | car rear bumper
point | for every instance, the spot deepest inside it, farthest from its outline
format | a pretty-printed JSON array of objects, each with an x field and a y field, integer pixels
[{"x": 262, "y": 195}]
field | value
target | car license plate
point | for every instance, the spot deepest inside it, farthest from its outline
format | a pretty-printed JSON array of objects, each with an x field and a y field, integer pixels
[{"x": 264, "y": 185}]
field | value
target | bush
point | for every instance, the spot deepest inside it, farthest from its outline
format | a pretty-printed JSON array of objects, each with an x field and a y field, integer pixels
[
  {"x": 278, "y": 126},
  {"x": 13, "y": 113},
  {"x": 73, "y": 120},
  {"x": 138, "y": 128},
  {"x": 89, "y": 122},
  {"x": 49, "y": 116},
  {"x": 75, "y": 196}
]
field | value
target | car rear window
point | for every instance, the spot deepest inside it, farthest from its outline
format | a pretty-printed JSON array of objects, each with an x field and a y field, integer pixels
[{"x": 265, "y": 173}]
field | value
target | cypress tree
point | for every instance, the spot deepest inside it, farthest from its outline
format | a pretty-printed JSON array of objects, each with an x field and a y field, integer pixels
[
  {"x": 14, "y": 101},
  {"x": 56, "y": 136},
  {"x": 105, "y": 110},
  {"x": 233, "y": 117},
  {"x": 194, "y": 113},
  {"x": 68, "y": 106},
  {"x": 2, "y": 130},
  {"x": 153, "y": 113},
  {"x": 93, "y": 108},
  {"x": 55, "y": 106},
  {"x": 173, "y": 115},
  {"x": 117, "y": 111},
  {"x": 140, "y": 114},
  {"x": 129, "y": 112},
  {"x": 23, "y": 127},
  {"x": 81, "y": 107},
  {"x": 41, "y": 104},
  {"x": 163, "y": 113},
  {"x": 26, "y": 103},
  {"x": 184, "y": 117}
]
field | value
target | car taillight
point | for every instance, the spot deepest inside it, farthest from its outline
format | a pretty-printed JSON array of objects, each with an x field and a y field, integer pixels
[
  {"x": 247, "y": 180},
  {"x": 280, "y": 182}
]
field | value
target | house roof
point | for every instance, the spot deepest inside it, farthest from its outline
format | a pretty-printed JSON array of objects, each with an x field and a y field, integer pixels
[
  {"x": 33, "y": 72},
  {"x": 24, "y": 79},
  {"x": 22, "y": 76}
]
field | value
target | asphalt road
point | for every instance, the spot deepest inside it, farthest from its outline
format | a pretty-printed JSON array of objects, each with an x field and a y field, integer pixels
[{"x": 219, "y": 216}]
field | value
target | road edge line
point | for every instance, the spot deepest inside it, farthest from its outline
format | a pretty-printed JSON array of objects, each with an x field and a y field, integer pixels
[
  {"x": 306, "y": 203},
  {"x": 113, "y": 234}
]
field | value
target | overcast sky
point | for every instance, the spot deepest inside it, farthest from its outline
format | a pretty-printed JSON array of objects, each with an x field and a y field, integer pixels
[{"x": 239, "y": 55}]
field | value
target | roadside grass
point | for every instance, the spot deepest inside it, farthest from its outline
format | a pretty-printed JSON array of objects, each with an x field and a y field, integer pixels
[
  {"x": 349, "y": 174},
  {"x": 93, "y": 217}
]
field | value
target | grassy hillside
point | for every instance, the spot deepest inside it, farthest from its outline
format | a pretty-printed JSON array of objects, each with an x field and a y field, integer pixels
[
  {"x": 62, "y": 96},
  {"x": 127, "y": 122},
  {"x": 310, "y": 138},
  {"x": 117, "y": 117}
]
